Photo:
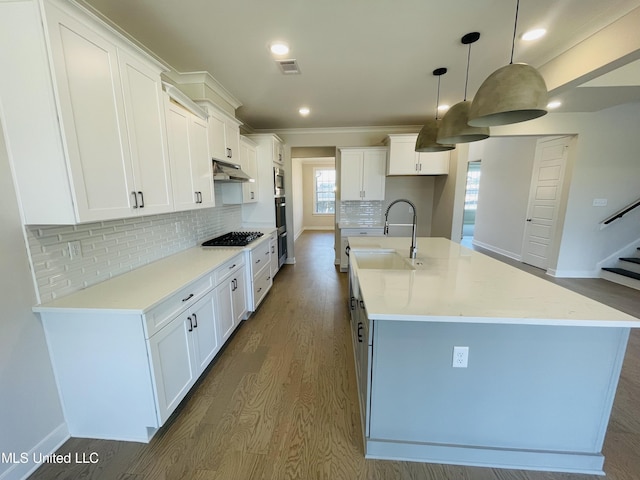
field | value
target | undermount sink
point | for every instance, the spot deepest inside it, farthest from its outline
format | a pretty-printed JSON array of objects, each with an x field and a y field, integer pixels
[{"x": 382, "y": 260}]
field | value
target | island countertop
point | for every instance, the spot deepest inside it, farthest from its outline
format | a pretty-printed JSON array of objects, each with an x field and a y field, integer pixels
[{"x": 451, "y": 283}]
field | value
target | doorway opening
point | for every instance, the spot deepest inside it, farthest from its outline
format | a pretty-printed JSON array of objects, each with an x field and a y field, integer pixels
[{"x": 470, "y": 203}]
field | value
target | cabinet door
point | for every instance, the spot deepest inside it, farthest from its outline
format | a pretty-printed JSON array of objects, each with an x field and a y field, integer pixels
[
  {"x": 278, "y": 152},
  {"x": 217, "y": 143},
  {"x": 205, "y": 336},
  {"x": 144, "y": 109},
  {"x": 232, "y": 141},
  {"x": 184, "y": 196},
  {"x": 85, "y": 67},
  {"x": 351, "y": 175},
  {"x": 373, "y": 174},
  {"x": 403, "y": 158},
  {"x": 249, "y": 162},
  {"x": 433, "y": 163},
  {"x": 201, "y": 164},
  {"x": 224, "y": 310},
  {"x": 174, "y": 366},
  {"x": 239, "y": 296}
]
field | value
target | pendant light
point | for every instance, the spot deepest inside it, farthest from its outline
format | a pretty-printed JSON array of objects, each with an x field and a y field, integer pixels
[
  {"x": 512, "y": 94},
  {"x": 454, "y": 127},
  {"x": 426, "y": 141}
]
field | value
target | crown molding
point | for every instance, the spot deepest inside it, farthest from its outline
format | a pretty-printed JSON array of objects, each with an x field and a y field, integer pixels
[{"x": 190, "y": 78}]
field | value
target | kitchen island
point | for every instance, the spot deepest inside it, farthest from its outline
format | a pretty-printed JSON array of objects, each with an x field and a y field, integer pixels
[{"x": 541, "y": 371}]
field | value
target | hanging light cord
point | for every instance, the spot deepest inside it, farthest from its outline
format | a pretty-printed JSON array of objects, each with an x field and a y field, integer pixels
[
  {"x": 466, "y": 82},
  {"x": 438, "y": 97},
  {"x": 515, "y": 26}
]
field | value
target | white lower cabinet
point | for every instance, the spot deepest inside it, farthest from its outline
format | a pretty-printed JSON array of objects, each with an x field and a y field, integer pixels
[
  {"x": 181, "y": 351},
  {"x": 121, "y": 375},
  {"x": 231, "y": 303},
  {"x": 261, "y": 276}
]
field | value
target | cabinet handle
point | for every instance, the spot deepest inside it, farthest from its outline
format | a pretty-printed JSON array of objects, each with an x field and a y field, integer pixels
[
  {"x": 190, "y": 296},
  {"x": 252, "y": 196},
  {"x": 190, "y": 324},
  {"x": 195, "y": 194},
  {"x": 135, "y": 199},
  {"x": 232, "y": 266},
  {"x": 257, "y": 261},
  {"x": 260, "y": 289},
  {"x": 141, "y": 199},
  {"x": 419, "y": 167},
  {"x": 360, "y": 327},
  {"x": 351, "y": 304},
  {"x": 347, "y": 250},
  {"x": 195, "y": 321},
  {"x": 361, "y": 304},
  {"x": 229, "y": 153},
  {"x": 234, "y": 282},
  {"x": 273, "y": 249},
  {"x": 267, "y": 252}
]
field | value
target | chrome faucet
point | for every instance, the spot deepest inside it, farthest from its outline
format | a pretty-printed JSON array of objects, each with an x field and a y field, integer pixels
[{"x": 414, "y": 248}]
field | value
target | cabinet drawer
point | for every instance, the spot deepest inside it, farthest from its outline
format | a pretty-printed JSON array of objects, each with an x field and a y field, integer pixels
[
  {"x": 260, "y": 256},
  {"x": 228, "y": 268},
  {"x": 261, "y": 285},
  {"x": 160, "y": 315}
]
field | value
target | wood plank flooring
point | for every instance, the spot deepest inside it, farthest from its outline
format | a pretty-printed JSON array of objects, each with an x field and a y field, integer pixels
[{"x": 280, "y": 401}]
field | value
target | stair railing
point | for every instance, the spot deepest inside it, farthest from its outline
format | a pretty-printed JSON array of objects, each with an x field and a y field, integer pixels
[{"x": 619, "y": 214}]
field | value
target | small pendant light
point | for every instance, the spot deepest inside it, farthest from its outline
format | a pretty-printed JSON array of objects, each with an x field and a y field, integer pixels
[
  {"x": 512, "y": 94},
  {"x": 454, "y": 127},
  {"x": 426, "y": 141}
]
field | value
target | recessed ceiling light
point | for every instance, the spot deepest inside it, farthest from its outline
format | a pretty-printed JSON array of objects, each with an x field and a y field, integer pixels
[
  {"x": 279, "y": 48},
  {"x": 304, "y": 111},
  {"x": 442, "y": 108},
  {"x": 534, "y": 34},
  {"x": 554, "y": 104}
]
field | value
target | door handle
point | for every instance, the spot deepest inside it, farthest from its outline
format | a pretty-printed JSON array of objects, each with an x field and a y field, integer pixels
[
  {"x": 360, "y": 327},
  {"x": 195, "y": 321},
  {"x": 190, "y": 324},
  {"x": 141, "y": 199}
]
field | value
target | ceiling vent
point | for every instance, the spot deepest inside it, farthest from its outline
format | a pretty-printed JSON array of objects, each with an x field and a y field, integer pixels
[{"x": 289, "y": 67}]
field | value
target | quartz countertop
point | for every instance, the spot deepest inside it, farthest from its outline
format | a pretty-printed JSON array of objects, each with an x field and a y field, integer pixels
[
  {"x": 141, "y": 289},
  {"x": 454, "y": 284}
]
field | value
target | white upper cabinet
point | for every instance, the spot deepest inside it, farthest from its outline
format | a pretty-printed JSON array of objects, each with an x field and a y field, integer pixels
[
  {"x": 362, "y": 173},
  {"x": 249, "y": 163},
  {"x": 224, "y": 134},
  {"x": 94, "y": 102},
  {"x": 404, "y": 160},
  {"x": 191, "y": 173}
]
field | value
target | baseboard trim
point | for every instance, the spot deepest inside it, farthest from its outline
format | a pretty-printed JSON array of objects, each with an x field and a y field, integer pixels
[
  {"x": 499, "y": 251},
  {"x": 48, "y": 445}
]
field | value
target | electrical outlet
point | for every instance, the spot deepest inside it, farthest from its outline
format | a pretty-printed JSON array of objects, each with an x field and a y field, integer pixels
[
  {"x": 75, "y": 250},
  {"x": 460, "y": 357}
]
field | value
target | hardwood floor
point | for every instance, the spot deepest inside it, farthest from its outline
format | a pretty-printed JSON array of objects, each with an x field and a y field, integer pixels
[{"x": 280, "y": 401}]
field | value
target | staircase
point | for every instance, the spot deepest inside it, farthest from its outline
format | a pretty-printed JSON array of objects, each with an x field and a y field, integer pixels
[{"x": 626, "y": 272}]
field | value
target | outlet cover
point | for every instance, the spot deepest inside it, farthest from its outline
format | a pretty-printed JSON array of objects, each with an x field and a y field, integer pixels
[{"x": 460, "y": 357}]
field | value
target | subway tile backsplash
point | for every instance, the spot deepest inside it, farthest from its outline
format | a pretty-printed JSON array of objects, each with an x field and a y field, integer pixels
[
  {"x": 114, "y": 247},
  {"x": 361, "y": 214}
]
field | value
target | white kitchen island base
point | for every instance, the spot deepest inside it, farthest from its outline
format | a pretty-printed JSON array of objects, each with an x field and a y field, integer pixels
[{"x": 543, "y": 362}]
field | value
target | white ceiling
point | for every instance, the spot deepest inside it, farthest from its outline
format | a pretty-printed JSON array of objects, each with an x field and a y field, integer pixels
[{"x": 364, "y": 62}]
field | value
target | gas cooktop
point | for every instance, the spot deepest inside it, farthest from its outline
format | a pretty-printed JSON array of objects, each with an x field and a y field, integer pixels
[{"x": 233, "y": 239}]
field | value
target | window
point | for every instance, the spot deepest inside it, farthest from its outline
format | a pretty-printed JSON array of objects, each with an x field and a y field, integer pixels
[{"x": 324, "y": 195}]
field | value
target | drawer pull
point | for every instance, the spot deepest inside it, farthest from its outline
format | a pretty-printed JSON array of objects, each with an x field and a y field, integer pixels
[
  {"x": 188, "y": 298},
  {"x": 232, "y": 266},
  {"x": 260, "y": 289},
  {"x": 257, "y": 261},
  {"x": 360, "y": 327}
]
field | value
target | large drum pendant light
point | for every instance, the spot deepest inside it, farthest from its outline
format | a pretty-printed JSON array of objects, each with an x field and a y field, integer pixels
[
  {"x": 454, "y": 127},
  {"x": 514, "y": 93},
  {"x": 426, "y": 141}
]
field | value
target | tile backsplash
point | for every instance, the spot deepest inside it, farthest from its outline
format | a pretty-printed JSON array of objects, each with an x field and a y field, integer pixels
[
  {"x": 113, "y": 247},
  {"x": 361, "y": 214}
]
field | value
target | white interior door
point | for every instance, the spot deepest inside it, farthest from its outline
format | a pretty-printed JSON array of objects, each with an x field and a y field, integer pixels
[{"x": 544, "y": 200}]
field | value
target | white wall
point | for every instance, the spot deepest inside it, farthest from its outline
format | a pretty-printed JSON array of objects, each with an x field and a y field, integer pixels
[
  {"x": 504, "y": 193},
  {"x": 603, "y": 163},
  {"x": 31, "y": 418}
]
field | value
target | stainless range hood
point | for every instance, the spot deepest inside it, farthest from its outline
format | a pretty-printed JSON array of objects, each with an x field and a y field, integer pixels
[{"x": 229, "y": 172}]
